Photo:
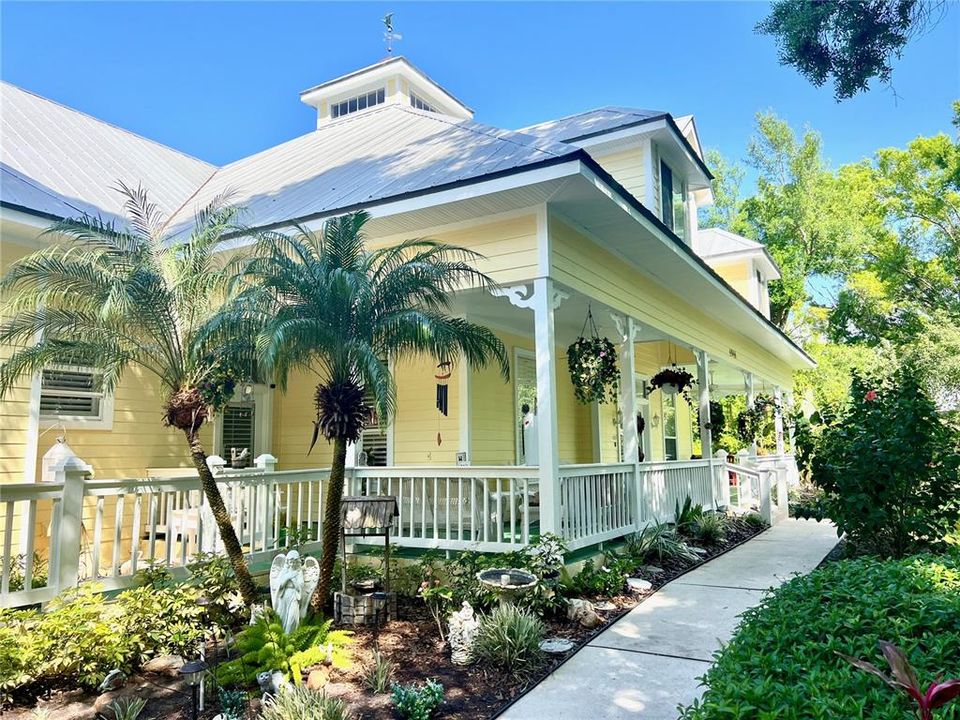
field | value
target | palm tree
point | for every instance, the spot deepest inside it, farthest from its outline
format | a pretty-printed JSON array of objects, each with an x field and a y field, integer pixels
[
  {"x": 330, "y": 306},
  {"x": 112, "y": 298}
]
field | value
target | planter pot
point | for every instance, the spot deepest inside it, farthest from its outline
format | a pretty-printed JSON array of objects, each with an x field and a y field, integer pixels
[{"x": 669, "y": 389}]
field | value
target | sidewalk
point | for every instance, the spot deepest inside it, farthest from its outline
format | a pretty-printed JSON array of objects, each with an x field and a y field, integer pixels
[{"x": 648, "y": 662}]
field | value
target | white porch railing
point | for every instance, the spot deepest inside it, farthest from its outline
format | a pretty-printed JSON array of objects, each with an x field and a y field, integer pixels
[
  {"x": 597, "y": 503},
  {"x": 107, "y": 530}
]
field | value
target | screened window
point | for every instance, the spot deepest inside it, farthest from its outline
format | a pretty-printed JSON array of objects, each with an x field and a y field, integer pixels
[
  {"x": 421, "y": 104},
  {"x": 360, "y": 102},
  {"x": 670, "y": 427},
  {"x": 70, "y": 392}
]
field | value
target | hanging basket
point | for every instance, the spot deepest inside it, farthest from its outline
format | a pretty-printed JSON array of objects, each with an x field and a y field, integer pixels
[
  {"x": 673, "y": 381},
  {"x": 592, "y": 361}
]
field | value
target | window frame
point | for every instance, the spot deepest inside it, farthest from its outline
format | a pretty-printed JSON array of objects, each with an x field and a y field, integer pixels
[
  {"x": 103, "y": 421},
  {"x": 358, "y": 103},
  {"x": 671, "y": 401}
]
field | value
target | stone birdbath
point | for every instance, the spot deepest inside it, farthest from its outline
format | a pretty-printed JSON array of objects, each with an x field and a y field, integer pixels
[{"x": 507, "y": 584}]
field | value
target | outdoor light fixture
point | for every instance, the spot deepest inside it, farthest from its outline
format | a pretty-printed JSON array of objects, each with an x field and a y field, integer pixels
[{"x": 192, "y": 673}]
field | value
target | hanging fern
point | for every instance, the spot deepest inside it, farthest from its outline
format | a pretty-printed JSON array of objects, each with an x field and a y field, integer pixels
[{"x": 676, "y": 377}]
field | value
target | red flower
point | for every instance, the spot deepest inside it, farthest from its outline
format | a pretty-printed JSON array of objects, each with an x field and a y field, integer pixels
[{"x": 870, "y": 396}]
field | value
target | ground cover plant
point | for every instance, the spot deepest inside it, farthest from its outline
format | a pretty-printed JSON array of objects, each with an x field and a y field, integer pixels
[{"x": 783, "y": 662}]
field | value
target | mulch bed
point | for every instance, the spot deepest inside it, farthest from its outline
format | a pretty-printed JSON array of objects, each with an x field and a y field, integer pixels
[{"x": 413, "y": 645}]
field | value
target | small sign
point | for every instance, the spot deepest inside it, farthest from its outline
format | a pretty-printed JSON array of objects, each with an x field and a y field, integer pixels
[{"x": 462, "y": 459}]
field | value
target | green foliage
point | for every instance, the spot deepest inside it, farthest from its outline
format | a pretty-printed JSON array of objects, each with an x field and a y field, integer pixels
[
  {"x": 233, "y": 703},
  {"x": 301, "y": 703},
  {"x": 782, "y": 662},
  {"x": 687, "y": 515},
  {"x": 807, "y": 501},
  {"x": 215, "y": 581},
  {"x": 127, "y": 708},
  {"x": 594, "y": 369},
  {"x": 851, "y": 43},
  {"x": 604, "y": 580},
  {"x": 754, "y": 520},
  {"x": 756, "y": 424},
  {"x": 265, "y": 646},
  {"x": 38, "y": 572},
  {"x": 656, "y": 543},
  {"x": 80, "y": 637},
  {"x": 509, "y": 638},
  {"x": 710, "y": 528},
  {"x": 380, "y": 675},
  {"x": 890, "y": 466},
  {"x": 417, "y": 702}
]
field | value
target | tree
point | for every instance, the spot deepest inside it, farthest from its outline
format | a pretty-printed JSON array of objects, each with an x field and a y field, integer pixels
[
  {"x": 727, "y": 209},
  {"x": 814, "y": 222},
  {"x": 851, "y": 42},
  {"x": 114, "y": 298},
  {"x": 330, "y": 306}
]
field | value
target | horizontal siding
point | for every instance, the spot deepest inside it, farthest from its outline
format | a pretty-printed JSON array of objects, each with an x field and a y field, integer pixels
[
  {"x": 628, "y": 168},
  {"x": 579, "y": 263},
  {"x": 15, "y": 405},
  {"x": 293, "y": 415}
]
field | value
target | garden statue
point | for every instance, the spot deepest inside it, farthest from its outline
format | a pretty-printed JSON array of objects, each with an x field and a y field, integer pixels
[
  {"x": 292, "y": 582},
  {"x": 463, "y": 631}
]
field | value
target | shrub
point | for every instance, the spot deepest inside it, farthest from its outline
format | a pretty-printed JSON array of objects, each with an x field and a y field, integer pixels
[
  {"x": 807, "y": 502},
  {"x": 890, "y": 466},
  {"x": 417, "y": 702},
  {"x": 754, "y": 520},
  {"x": 686, "y": 515},
  {"x": 214, "y": 579},
  {"x": 380, "y": 674},
  {"x": 509, "y": 638},
  {"x": 233, "y": 704},
  {"x": 710, "y": 528},
  {"x": 300, "y": 703},
  {"x": 157, "y": 622},
  {"x": 38, "y": 572},
  {"x": 127, "y": 708},
  {"x": 783, "y": 660},
  {"x": 265, "y": 646},
  {"x": 656, "y": 543},
  {"x": 605, "y": 580}
]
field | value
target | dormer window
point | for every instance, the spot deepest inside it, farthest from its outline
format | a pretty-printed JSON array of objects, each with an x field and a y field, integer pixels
[
  {"x": 671, "y": 201},
  {"x": 360, "y": 102},
  {"x": 420, "y": 104}
]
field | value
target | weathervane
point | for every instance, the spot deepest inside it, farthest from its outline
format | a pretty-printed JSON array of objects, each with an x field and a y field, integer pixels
[{"x": 388, "y": 34}]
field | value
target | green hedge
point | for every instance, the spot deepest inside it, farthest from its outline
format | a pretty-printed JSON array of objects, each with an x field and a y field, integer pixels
[{"x": 782, "y": 661}]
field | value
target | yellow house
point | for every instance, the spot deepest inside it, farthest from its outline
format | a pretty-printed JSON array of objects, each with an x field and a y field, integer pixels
[{"x": 595, "y": 214}]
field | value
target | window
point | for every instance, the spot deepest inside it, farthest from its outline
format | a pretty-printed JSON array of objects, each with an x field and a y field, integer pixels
[
  {"x": 360, "y": 102},
  {"x": 74, "y": 393},
  {"x": 672, "y": 201},
  {"x": 525, "y": 407},
  {"x": 420, "y": 104},
  {"x": 669, "y": 427},
  {"x": 238, "y": 429}
]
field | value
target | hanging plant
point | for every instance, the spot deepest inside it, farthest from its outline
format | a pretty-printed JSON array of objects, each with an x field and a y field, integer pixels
[
  {"x": 717, "y": 417},
  {"x": 673, "y": 381},
  {"x": 753, "y": 423},
  {"x": 593, "y": 366}
]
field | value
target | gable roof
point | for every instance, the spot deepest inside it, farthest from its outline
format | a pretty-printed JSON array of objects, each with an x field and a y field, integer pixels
[
  {"x": 54, "y": 158},
  {"x": 365, "y": 157},
  {"x": 716, "y": 243}
]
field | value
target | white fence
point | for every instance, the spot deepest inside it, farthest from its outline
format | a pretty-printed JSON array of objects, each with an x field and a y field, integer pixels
[{"x": 55, "y": 535}]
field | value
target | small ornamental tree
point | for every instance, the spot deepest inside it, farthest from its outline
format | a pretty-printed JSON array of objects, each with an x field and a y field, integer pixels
[{"x": 890, "y": 466}]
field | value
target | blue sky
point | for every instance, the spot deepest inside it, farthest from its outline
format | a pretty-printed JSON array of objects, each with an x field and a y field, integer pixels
[{"x": 221, "y": 80}]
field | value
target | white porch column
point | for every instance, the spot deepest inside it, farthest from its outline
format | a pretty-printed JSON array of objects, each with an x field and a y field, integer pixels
[
  {"x": 790, "y": 426},
  {"x": 778, "y": 418},
  {"x": 703, "y": 380},
  {"x": 65, "y": 536},
  {"x": 544, "y": 303},
  {"x": 751, "y": 400},
  {"x": 628, "y": 390}
]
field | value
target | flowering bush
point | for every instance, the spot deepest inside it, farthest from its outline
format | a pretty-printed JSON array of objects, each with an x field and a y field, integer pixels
[
  {"x": 676, "y": 377},
  {"x": 890, "y": 466},
  {"x": 593, "y": 369}
]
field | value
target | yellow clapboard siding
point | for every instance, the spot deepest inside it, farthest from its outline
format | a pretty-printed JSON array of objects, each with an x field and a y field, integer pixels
[
  {"x": 581, "y": 264},
  {"x": 627, "y": 167}
]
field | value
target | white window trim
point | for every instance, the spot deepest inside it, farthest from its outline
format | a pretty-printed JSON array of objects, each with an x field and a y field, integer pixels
[
  {"x": 76, "y": 422},
  {"x": 664, "y": 400},
  {"x": 262, "y": 422}
]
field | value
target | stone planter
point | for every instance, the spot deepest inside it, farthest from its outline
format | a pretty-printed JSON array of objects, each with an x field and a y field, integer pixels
[{"x": 362, "y": 609}]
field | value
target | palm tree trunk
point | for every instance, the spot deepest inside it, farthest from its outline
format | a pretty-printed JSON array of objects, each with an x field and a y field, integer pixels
[
  {"x": 331, "y": 523},
  {"x": 218, "y": 508}
]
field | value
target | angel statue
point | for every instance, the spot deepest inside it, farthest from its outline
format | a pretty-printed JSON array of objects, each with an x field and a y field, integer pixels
[{"x": 292, "y": 582}]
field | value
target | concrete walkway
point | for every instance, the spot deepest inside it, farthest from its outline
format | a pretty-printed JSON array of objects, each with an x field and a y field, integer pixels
[{"x": 648, "y": 662}]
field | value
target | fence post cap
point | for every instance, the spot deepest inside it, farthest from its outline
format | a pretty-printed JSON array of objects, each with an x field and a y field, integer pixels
[
  {"x": 265, "y": 460},
  {"x": 721, "y": 453},
  {"x": 216, "y": 463}
]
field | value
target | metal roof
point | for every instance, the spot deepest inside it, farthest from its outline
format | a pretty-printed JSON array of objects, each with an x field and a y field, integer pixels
[
  {"x": 55, "y": 157},
  {"x": 591, "y": 122},
  {"x": 387, "y": 151}
]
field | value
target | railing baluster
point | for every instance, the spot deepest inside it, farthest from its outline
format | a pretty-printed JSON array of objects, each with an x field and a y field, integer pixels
[
  {"x": 7, "y": 548},
  {"x": 117, "y": 536},
  {"x": 97, "y": 537}
]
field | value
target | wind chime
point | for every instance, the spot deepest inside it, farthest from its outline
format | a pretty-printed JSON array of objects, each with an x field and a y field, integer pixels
[{"x": 442, "y": 376}]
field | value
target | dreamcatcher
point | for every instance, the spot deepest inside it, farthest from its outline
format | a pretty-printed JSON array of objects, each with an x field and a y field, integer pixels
[{"x": 442, "y": 376}]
